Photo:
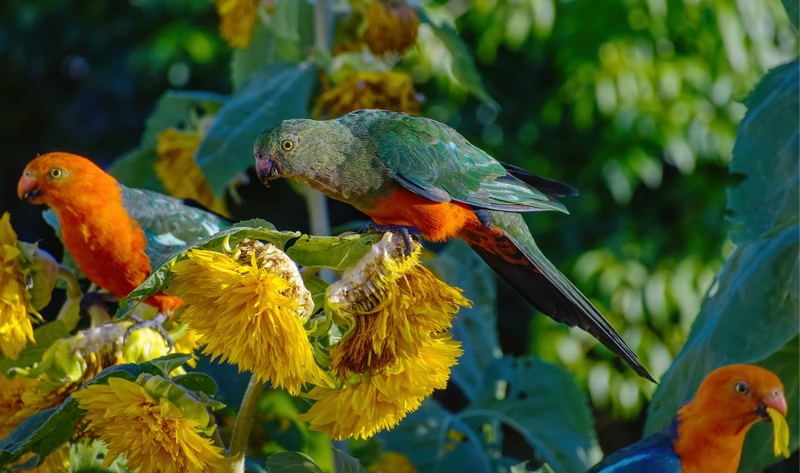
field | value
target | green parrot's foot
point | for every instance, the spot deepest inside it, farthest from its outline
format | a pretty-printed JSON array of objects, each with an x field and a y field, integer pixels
[
  {"x": 405, "y": 232},
  {"x": 104, "y": 300},
  {"x": 154, "y": 323}
]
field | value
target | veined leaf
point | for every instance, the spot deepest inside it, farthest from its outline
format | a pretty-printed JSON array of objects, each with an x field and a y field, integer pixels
[
  {"x": 279, "y": 91},
  {"x": 750, "y": 314},
  {"x": 538, "y": 400},
  {"x": 333, "y": 252},
  {"x": 291, "y": 462}
]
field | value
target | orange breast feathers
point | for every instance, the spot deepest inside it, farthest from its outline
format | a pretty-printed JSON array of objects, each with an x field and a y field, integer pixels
[
  {"x": 437, "y": 221},
  {"x": 713, "y": 426}
]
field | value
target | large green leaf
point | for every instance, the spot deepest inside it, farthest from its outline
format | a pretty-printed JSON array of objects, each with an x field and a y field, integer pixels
[
  {"x": 750, "y": 314},
  {"x": 279, "y": 91},
  {"x": 793, "y": 10},
  {"x": 462, "y": 63},
  {"x": 538, "y": 400},
  {"x": 476, "y": 327},
  {"x": 135, "y": 169},
  {"x": 333, "y": 252},
  {"x": 291, "y": 462}
]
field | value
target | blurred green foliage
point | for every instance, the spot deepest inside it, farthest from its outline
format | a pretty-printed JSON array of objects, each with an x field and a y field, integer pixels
[{"x": 635, "y": 102}]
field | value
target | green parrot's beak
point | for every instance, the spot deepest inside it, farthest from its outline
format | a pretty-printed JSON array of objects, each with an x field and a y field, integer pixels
[{"x": 265, "y": 168}]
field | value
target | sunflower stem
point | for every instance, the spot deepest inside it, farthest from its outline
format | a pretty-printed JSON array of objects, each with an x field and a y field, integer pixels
[
  {"x": 315, "y": 200},
  {"x": 70, "y": 311},
  {"x": 244, "y": 422}
]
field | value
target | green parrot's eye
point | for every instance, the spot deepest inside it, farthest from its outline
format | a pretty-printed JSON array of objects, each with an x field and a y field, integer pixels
[
  {"x": 287, "y": 145},
  {"x": 56, "y": 173},
  {"x": 742, "y": 388}
]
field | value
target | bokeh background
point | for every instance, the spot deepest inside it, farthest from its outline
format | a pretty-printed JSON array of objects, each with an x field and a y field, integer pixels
[{"x": 636, "y": 103}]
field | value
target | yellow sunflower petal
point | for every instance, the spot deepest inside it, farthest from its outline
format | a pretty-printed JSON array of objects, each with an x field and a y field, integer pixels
[
  {"x": 781, "y": 433},
  {"x": 379, "y": 402},
  {"x": 16, "y": 329},
  {"x": 386, "y": 90},
  {"x": 250, "y": 314},
  {"x": 152, "y": 434}
]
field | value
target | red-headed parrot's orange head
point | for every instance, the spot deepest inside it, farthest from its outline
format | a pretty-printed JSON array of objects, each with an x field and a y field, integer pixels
[
  {"x": 51, "y": 178},
  {"x": 742, "y": 392}
]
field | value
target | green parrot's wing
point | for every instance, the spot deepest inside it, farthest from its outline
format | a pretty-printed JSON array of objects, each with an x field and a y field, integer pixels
[
  {"x": 433, "y": 160},
  {"x": 168, "y": 223}
]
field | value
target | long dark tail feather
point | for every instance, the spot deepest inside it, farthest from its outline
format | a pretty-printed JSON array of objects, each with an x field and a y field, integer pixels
[
  {"x": 528, "y": 272},
  {"x": 549, "y": 186}
]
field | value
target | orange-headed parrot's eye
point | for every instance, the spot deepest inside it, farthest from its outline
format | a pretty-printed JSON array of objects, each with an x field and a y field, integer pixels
[
  {"x": 56, "y": 173},
  {"x": 287, "y": 145},
  {"x": 742, "y": 388}
]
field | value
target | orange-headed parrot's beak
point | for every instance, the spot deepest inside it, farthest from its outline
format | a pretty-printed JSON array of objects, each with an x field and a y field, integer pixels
[
  {"x": 27, "y": 188},
  {"x": 777, "y": 401}
]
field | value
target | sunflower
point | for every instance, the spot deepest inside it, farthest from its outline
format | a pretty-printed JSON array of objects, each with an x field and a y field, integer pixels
[{"x": 16, "y": 329}]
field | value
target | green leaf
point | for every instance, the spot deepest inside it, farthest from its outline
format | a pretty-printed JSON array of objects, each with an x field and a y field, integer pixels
[
  {"x": 544, "y": 404},
  {"x": 291, "y": 462},
  {"x": 174, "y": 109},
  {"x": 436, "y": 441},
  {"x": 766, "y": 152},
  {"x": 332, "y": 252},
  {"x": 177, "y": 107},
  {"x": 197, "y": 382},
  {"x": 475, "y": 327},
  {"x": 750, "y": 314},
  {"x": 41, "y": 433},
  {"x": 348, "y": 463},
  {"x": 540, "y": 401},
  {"x": 135, "y": 169},
  {"x": 44, "y": 335},
  {"x": 317, "y": 287},
  {"x": 463, "y": 64},
  {"x": 168, "y": 363},
  {"x": 278, "y": 91},
  {"x": 793, "y": 11}
]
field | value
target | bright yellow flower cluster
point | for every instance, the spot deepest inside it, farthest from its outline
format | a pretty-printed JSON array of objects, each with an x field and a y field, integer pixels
[
  {"x": 397, "y": 350},
  {"x": 179, "y": 173},
  {"x": 149, "y": 429},
  {"x": 237, "y": 18},
  {"x": 16, "y": 329},
  {"x": 391, "y": 26},
  {"x": 385, "y": 90},
  {"x": 250, "y": 312}
]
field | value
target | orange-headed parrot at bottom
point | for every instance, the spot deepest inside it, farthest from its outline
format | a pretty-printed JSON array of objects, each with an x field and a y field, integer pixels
[
  {"x": 707, "y": 433},
  {"x": 417, "y": 175},
  {"x": 114, "y": 233}
]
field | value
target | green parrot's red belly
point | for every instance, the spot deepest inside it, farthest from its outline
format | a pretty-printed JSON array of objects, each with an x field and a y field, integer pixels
[{"x": 437, "y": 221}]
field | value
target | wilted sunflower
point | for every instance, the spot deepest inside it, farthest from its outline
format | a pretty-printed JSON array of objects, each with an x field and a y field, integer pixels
[
  {"x": 179, "y": 173},
  {"x": 249, "y": 309},
  {"x": 391, "y": 26},
  {"x": 392, "y": 462},
  {"x": 16, "y": 329},
  {"x": 368, "y": 404},
  {"x": 390, "y": 305},
  {"x": 396, "y": 350},
  {"x": 237, "y": 18},
  {"x": 156, "y": 425},
  {"x": 385, "y": 90}
]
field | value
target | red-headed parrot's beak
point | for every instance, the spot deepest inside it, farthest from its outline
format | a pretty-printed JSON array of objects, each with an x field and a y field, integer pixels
[
  {"x": 265, "y": 168},
  {"x": 777, "y": 401},
  {"x": 27, "y": 187}
]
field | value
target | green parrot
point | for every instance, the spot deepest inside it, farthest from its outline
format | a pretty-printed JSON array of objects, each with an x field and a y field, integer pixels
[{"x": 417, "y": 175}]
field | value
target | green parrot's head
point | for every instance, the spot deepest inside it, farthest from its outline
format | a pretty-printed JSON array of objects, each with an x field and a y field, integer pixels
[{"x": 301, "y": 149}]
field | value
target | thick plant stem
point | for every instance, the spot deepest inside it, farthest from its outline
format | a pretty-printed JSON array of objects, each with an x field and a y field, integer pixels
[
  {"x": 316, "y": 202},
  {"x": 244, "y": 422}
]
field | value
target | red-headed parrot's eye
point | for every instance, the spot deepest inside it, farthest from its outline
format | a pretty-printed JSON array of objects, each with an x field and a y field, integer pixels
[
  {"x": 55, "y": 173},
  {"x": 742, "y": 388}
]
